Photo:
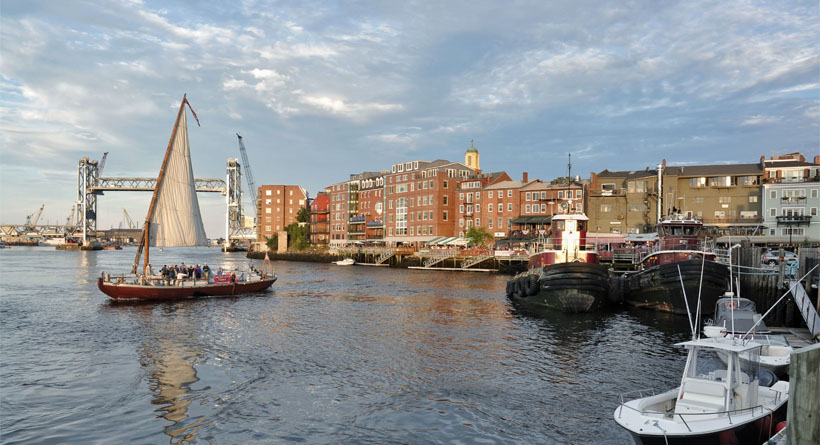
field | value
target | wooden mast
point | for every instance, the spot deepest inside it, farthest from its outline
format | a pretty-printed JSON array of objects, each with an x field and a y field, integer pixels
[{"x": 145, "y": 241}]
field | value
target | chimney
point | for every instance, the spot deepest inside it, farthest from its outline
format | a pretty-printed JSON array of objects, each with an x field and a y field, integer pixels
[
  {"x": 664, "y": 164},
  {"x": 525, "y": 177},
  {"x": 817, "y": 159}
]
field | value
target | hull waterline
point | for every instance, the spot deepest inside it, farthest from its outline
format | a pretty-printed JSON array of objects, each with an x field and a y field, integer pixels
[{"x": 659, "y": 287}]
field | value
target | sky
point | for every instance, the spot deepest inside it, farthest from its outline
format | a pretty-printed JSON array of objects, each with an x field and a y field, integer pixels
[{"x": 320, "y": 90}]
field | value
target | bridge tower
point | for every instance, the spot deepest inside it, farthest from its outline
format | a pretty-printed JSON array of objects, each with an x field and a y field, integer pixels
[
  {"x": 233, "y": 200},
  {"x": 88, "y": 172}
]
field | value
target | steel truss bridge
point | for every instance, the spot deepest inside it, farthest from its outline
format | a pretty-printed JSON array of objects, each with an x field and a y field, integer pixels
[{"x": 90, "y": 185}]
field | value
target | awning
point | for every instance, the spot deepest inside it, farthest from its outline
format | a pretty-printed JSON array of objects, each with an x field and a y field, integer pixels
[
  {"x": 458, "y": 242},
  {"x": 532, "y": 220},
  {"x": 446, "y": 240},
  {"x": 436, "y": 240}
]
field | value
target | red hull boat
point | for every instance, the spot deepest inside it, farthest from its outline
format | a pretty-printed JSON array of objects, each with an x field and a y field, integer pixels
[{"x": 131, "y": 291}]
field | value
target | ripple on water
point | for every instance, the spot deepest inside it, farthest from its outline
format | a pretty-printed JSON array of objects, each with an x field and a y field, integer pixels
[{"x": 328, "y": 355}]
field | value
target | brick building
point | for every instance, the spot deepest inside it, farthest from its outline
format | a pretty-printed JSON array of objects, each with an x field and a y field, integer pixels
[
  {"x": 341, "y": 207},
  {"x": 277, "y": 207},
  {"x": 319, "y": 228}
]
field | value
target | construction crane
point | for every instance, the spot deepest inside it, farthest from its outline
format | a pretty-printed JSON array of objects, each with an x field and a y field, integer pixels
[
  {"x": 102, "y": 164},
  {"x": 32, "y": 219},
  {"x": 128, "y": 220},
  {"x": 69, "y": 221},
  {"x": 248, "y": 174}
]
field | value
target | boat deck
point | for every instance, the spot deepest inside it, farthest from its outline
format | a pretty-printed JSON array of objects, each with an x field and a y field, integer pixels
[{"x": 797, "y": 337}]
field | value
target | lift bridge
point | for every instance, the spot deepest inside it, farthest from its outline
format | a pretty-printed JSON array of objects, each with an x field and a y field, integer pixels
[{"x": 90, "y": 185}]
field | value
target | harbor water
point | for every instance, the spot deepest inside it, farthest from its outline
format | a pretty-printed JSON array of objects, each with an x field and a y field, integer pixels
[{"x": 330, "y": 354}]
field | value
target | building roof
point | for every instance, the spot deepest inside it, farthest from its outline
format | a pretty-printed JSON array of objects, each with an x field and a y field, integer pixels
[
  {"x": 715, "y": 170},
  {"x": 628, "y": 174},
  {"x": 781, "y": 164},
  {"x": 472, "y": 148},
  {"x": 506, "y": 185}
]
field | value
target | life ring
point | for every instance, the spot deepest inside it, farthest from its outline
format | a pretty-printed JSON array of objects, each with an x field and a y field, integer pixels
[{"x": 532, "y": 285}]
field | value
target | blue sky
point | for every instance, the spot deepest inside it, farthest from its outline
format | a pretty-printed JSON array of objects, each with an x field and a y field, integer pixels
[{"x": 323, "y": 89}]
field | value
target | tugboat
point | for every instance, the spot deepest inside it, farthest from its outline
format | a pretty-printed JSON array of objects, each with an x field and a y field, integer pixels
[
  {"x": 565, "y": 275},
  {"x": 715, "y": 403},
  {"x": 658, "y": 284}
]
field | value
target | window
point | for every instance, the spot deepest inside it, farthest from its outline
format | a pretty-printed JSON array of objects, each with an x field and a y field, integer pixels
[
  {"x": 697, "y": 200},
  {"x": 747, "y": 180},
  {"x": 527, "y": 208},
  {"x": 560, "y": 194},
  {"x": 500, "y": 223},
  {"x": 478, "y": 222},
  {"x": 725, "y": 199},
  {"x": 478, "y": 208},
  {"x": 773, "y": 194},
  {"x": 720, "y": 214},
  {"x": 461, "y": 222},
  {"x": 813, "y": 193},
  {"x": 543, "y": 208},
  {"x": 509, "y": 207},
  {"x": 772, "y": 212},
  {"x": 490, "y": 223},
  {"x": 445, "y": 184},
  {"x": 500, "y": 193},
  {"x": 606, "y": 208},
  {"x": 444, "y": 216},
  {"x": 267, "y": 210},
  {"x": 633, "y": 187},
  {"x": 577, "y": 194},
  {"x": 543, "y": 195},
  {"x": 444, "y": 200},
  {"x": 509, "y": 193},
  {"x": 461, "y": 208},
  {"x": 636, "y": 207},
  {"x": 697, "y": 182},
  {"x": 813, "y": 211},
  {"x": 490, "y": 207},
  {"x": 461, "y": 196},
  {"x": 528, "y": 196},
  {"x": 267, "y": 228},
  {"x": 267, "y": 193},
  {"x": 500, "y": 207},
  {"x": 753, "y": 199}
]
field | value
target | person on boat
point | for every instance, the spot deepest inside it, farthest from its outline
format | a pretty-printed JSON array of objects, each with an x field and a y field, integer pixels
[
  {"x": 206, "y": 271},
  {"x": 242, "y": 276},
  {"x": 149, "y": 271},
  {"x": 219, "y": 272},
  {"x": 233, "y": 277},
  {"x": 197, "y": 272},
  {"x": 172, "y": 275}
]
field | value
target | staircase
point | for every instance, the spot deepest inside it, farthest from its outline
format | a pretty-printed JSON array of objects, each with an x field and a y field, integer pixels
[
  {"x": 384, "y": 257},
  {"x": 475, "y": 260},
  {"x": 801, "y": 299},
  {"x": 432, "y": 261}
]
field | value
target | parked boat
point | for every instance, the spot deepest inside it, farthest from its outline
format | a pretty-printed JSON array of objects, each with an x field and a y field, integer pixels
[
  {"x": 715, "y": 403},
  {"x": 345, "y": 262},
  {"x": 174, "y": 219},
  {"x": 679, "y": 255},
  {"x": 565, "y": 274},
  {"x": 775, "y": 352}
]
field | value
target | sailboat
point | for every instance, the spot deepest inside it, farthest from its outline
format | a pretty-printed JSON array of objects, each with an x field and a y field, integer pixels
[{"x": 174, "y": 220}]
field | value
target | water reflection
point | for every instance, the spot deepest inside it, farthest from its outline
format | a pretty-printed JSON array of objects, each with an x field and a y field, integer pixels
[{"x": 170, "y": 356}]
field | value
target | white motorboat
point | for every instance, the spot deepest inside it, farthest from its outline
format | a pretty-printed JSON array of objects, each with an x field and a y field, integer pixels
[
  {"x": 346, "y": 262},
  {"x": 775, "y": 352},
  {"x": 715, "y": 403}
]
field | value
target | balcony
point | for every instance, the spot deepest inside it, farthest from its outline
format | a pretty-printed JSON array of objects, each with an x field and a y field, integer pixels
[
  {"x": 788, "y": 220},
  {"x": 608, "y": 192},
  {"x": 793, "y": 200},
  {"x": 373, "y": 224}
]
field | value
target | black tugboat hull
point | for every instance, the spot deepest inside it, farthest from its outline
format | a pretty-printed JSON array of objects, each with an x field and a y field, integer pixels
[
  {"x": 659, "y": 287},
  {"x": 566, "y": 287}
]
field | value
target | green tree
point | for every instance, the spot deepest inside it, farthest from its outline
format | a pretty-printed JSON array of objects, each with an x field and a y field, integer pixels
[
  {"x": 272, "y": 242},
  {"x": 302, "y": 215},
  {"x": 297, "y": 236},
  {"x": 479, "y": 236}
]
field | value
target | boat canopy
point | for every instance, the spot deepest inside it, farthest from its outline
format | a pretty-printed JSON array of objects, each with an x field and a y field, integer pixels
[{"x": 725, "y": 344}]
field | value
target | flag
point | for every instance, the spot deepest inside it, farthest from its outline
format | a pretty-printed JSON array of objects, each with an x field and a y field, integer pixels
[{"x": 267, "y": 258}]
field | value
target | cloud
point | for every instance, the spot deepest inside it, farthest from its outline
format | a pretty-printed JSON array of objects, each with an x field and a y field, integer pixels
[{"x": 760, "y": 120}]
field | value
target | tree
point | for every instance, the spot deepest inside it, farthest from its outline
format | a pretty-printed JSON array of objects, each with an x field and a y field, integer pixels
[
  {"x": 297, "y": 236},
  {"x": 479, "y": 236},
  {"x": 302, "y": 215},
  {"x": 272, "y": 242}
]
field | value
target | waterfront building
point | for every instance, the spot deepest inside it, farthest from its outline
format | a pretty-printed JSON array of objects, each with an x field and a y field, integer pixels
[
  {"x": 319, "y": 218},
  {"x": 470, "y": 203},
  {"x": 369, "y": 221},
  {"x": 340, "y": 211},
  {"x": 791, "y": 189},
  {"x": 725, "y": 197},
  {"x": 277, "y": 207}
]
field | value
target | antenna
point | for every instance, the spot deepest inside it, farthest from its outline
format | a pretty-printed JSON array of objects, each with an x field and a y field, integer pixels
[{"x": 569, "y": 168}]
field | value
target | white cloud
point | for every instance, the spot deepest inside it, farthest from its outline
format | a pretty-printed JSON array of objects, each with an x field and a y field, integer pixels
[{"x": 760, "y": 120}]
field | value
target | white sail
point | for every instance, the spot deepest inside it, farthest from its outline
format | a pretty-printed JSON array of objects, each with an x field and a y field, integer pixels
[{"x": 176, "y": 220}]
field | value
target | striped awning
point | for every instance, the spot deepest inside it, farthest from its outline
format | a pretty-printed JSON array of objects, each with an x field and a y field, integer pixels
[{"x": 436, "y": 240}]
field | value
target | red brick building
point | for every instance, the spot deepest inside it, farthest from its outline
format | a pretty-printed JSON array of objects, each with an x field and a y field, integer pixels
[
  {"x": 277, "y": 207},
  {"x": 319, "y": 234},
  {"x": 340, "y": 210}
]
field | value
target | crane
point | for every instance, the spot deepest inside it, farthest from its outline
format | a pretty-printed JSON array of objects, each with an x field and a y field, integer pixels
[
  {"x": 69, "y": 221},
  {"x": 248, "y": 174},
  {"x": 32, "y": 219},
  {"x": 102, "y": 164},
  {"x": 128, "y": 220}
]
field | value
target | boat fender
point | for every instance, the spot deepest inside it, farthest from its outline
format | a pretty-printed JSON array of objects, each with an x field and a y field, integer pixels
[
  {"x": 510, "y": 287},
  {"x": 532, "y": 285},
  {"x": 520, "y": 289}
]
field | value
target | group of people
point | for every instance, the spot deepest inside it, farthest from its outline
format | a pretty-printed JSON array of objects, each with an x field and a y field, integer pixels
[{"x": 171, "y": 275}]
